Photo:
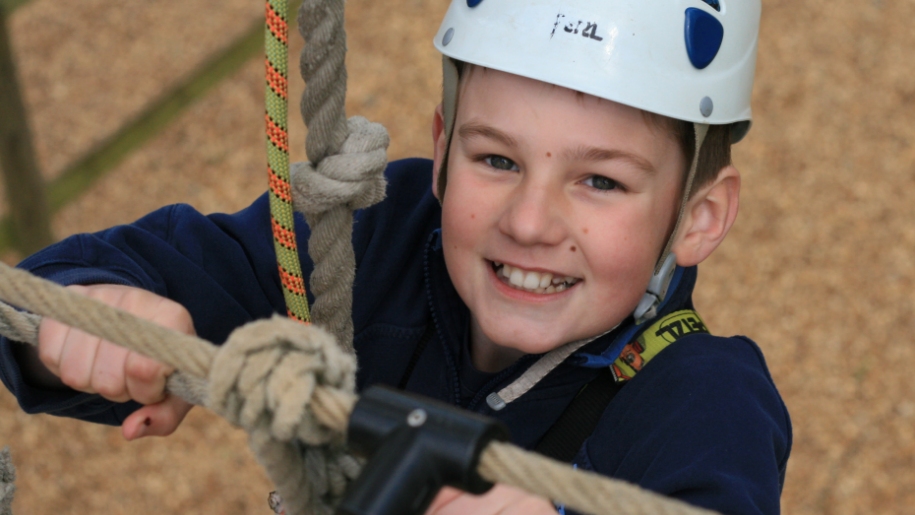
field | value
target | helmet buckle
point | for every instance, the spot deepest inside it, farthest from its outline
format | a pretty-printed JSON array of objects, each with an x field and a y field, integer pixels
[{"x": 657, "y": 290}]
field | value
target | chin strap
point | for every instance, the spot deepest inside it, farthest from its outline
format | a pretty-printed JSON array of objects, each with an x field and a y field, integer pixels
[
  {"x": 657, "y": 290},
  {"x": 667, "y": 263},
  {"x": 449, "y": 93}
]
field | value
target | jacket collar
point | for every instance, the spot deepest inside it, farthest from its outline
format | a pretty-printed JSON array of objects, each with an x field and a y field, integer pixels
[{"x": 452, "y": 317}]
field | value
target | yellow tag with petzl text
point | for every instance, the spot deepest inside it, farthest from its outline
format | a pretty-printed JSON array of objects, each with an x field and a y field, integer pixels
[{"x": 653, "y": 340}]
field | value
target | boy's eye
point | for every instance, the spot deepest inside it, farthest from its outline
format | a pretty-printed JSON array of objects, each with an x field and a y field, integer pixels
[
  {"x": 602, "y": 183},
  {"x": 501, "y": 163}
]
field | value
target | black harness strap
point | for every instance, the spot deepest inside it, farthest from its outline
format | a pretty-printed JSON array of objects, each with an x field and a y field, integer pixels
[{"x": 563, "y": 440}]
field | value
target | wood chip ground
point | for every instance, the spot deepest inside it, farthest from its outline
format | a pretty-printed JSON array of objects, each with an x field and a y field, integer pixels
[{"x": 818, "y": 269}]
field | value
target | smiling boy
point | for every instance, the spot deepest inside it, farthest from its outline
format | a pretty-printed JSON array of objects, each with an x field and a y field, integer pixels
[
  {"x": 587, "y": 200},
  {"x": 581, "y": 151}
]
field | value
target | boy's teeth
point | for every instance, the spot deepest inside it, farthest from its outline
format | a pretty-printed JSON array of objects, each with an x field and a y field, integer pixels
[
  {"x": 516, "y": 277},
  {"x": 531, "y": 281},
  {"x": 545, "y": 280},
  {"x": 534, "y": 281}
]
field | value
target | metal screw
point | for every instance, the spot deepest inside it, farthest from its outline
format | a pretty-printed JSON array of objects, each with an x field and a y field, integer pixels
[
  {"x": 416, "y": 418},
  {"x": 449, "y": 35},
  {"x": 706, "y": 106}
]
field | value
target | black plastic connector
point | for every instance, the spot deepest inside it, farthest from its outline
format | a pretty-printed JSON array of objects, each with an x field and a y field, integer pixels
[{"x": 415, "y": 446}]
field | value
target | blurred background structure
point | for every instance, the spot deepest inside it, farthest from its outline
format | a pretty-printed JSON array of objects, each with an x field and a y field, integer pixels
[{"x": 135, "y": 105}]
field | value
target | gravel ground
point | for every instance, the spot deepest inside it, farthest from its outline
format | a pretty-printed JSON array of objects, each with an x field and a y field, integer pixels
[{"x": 817, "y": 269}]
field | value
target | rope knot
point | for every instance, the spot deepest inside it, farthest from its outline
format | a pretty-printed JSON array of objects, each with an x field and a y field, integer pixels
[
  {"x": 7, "y": 482},
  {"x": 353, "y": 178},
  {"x": 265, "y": 376}
]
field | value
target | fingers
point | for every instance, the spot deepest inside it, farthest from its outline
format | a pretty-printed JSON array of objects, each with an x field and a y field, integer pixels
[
  {"x": 144, "y": 378},
  {"x": 51, "y": 337},
  {"x": 108, "y": 372},
  {"x": 500, "y": 500},
  {"x": 445, "y": 496},
  {"x": 77, "y": 358},
  {"x": 160, "y": 419},
  {"x": 89, "y": 364}
]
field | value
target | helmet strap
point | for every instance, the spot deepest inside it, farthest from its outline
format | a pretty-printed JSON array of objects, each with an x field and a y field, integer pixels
[
  {"x": 450, "y": 79},
  {"x": 666, "y": 265},
  {"x": 449, "y": 94},
  {"x": 701, "y": 129}
]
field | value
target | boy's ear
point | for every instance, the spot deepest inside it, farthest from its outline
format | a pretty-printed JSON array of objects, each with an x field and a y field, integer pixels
[
  {"x": 709, "y": 215},
  {"x": 439, "y": 141}
]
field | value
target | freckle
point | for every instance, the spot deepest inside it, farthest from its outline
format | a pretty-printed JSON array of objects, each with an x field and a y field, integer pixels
[
  {"x": 584, "y": 230},
  {"x": 572, "y": 248},
  {"x": 549, "y": 154},
  {"x": 473, "y": 216}
]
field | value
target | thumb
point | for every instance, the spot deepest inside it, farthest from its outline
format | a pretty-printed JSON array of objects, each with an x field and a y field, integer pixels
[
  {"x": 159, "y": 419},
  {"x": 445, "y": 496}
]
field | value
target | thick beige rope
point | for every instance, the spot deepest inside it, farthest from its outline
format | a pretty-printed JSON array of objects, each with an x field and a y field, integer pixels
[
  {"x": 346, "y": 168},
  {"x": 345, "y": 172},
  {"x": 258, "y": 379},
  {"x": 580, "y": 490},
  {"x": 264, "y": 379},
  {"x": 288, "y": 383},
  {"x": 7, "y": 482}
]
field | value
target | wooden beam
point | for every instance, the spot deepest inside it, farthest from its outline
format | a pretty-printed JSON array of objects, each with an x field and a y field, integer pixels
[
  {"x": 158, "y": 115},
  {"x": 81, "y": 174},
  {"x": 29, "y": 226},
  {"x": 10, "y": 5}
]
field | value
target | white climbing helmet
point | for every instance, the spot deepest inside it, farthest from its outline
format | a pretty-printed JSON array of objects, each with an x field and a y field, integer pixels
[{"x": 691, "y": 60}]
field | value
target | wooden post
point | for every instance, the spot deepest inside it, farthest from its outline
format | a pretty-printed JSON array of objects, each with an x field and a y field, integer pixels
[{"x": 25, "y": 192}]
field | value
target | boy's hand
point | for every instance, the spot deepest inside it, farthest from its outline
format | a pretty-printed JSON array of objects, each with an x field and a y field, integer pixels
[
  {"x": 501, "y": 500},
  {"x": 89, "y": 364}
]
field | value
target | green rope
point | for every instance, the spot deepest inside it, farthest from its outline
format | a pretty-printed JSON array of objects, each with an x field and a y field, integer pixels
[{"x": 281, "y": 208}]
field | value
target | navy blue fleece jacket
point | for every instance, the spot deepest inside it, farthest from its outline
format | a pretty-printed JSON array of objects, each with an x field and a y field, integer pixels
[{"x": 703, "y": 422}]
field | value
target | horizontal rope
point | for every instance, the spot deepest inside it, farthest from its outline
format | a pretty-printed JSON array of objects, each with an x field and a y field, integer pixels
[
  {"x": 500, "y": 462},
  {"x": 583, "y": 491},
  {"x": 185, "y": 353}
]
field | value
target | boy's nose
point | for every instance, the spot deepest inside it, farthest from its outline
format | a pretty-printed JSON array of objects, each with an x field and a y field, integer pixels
[{"x": 533, "y": 216}]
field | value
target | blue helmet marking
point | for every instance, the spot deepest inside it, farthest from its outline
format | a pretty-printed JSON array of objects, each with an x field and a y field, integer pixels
[
  {"x": 715, "y": 4},
  {"x": 474, "y": 3},
  {"x": 704, "y": 34}
]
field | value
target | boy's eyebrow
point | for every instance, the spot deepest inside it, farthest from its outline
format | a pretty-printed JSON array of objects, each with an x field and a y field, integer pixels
[
  {"x": 471, "y": 130},
  {"x": 585, "y": 153}
]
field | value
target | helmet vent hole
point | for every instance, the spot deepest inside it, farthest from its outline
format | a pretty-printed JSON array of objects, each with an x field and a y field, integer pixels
[{"x": 715, "y": 4}]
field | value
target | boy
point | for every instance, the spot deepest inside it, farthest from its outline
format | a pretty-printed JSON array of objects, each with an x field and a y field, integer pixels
[{"x": 582, "y": 149}]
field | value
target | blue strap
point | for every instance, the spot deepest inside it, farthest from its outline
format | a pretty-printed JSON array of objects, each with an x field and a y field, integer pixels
[{"x": 606, "y": 358}]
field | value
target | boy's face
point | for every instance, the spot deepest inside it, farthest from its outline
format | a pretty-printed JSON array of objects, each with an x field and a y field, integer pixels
[{"x": 569, "y": 196}]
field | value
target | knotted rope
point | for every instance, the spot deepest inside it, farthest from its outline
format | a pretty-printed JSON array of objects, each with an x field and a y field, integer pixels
[
  {"x": 346, "y": 166},
  {"x": 290, "y": 386},
  {"x": 7, "y": 482},
  {"x": 345, "y": 172},
  {"x": 327, "y": 195},
  {"x": 282, "y": 381}
]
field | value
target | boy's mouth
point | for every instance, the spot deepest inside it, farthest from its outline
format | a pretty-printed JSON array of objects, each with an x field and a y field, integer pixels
[{"x": 534, "y": 282}]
